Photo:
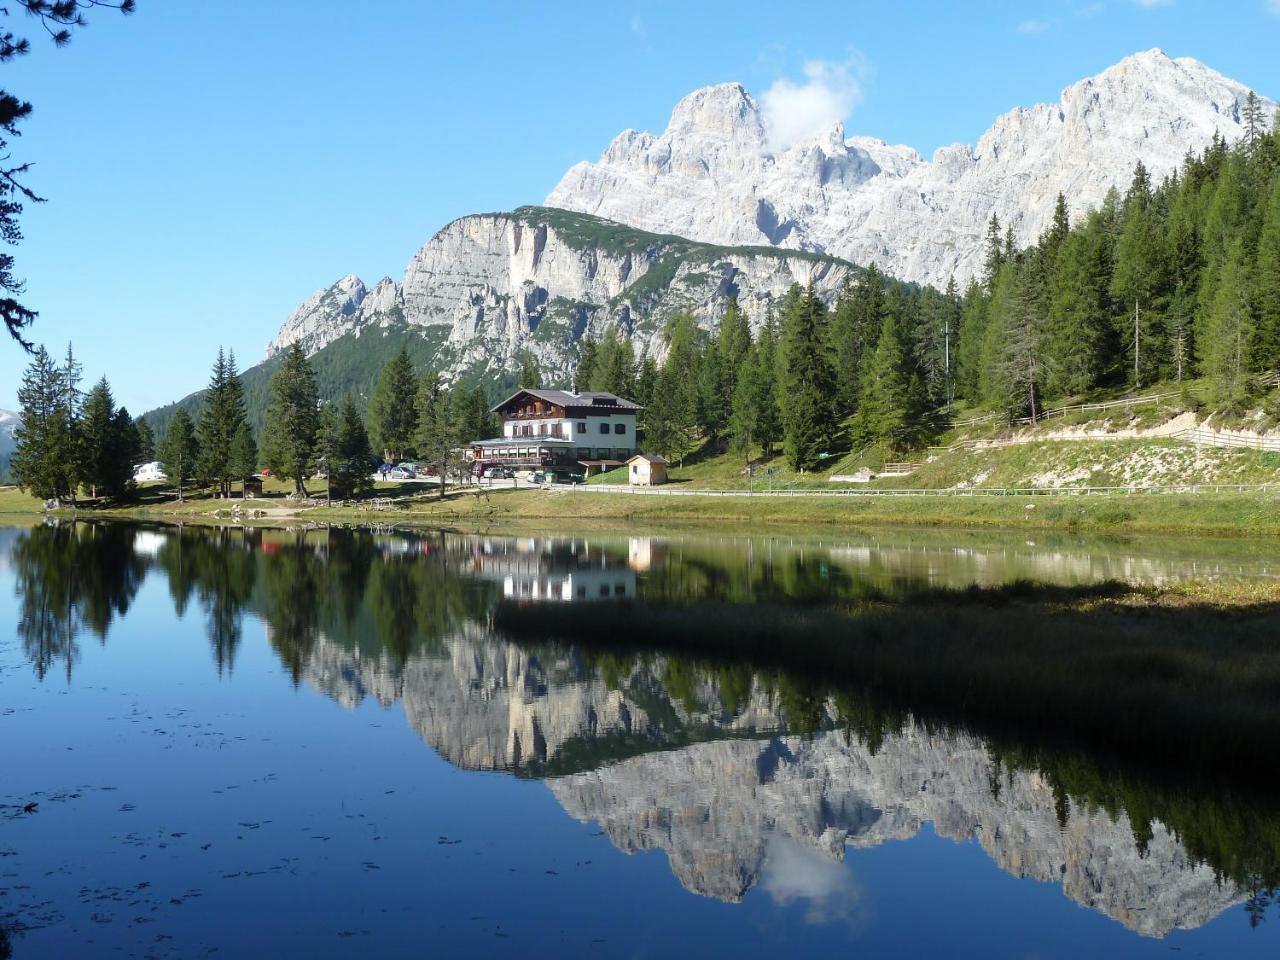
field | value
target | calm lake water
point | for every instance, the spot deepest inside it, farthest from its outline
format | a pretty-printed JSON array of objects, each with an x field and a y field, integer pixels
[{"x": 314, "y": 743}]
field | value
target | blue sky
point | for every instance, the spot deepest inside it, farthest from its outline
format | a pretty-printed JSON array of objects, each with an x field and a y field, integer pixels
[{"x": 208, "y": 165}]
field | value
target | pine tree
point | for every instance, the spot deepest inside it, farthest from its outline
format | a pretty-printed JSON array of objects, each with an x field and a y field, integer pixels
[
  {"x": 750, "y": 397},
  {"x": 951, "y": 319},
  {"x": 530, "y": 374},
  {"x": 1079, "y": 313},
  {"x": 243, "y": 460},
  {"x": 104, "y": 460},
  {"x": 437, "y": 438},
  {"x": 1013, "y": 369},
  {"x": 146, "y": 441},
  {"x": 969, "y": 342},
  {"x": 1056, "y": 235},
  {"x": 614, "y": 365},
  {"x": 1181, "y": 305},
  {"x": 854, "y": 325},
  {"x": 929, "y": 344},
  {"x": 481, "y": 422},
  {"x": 646, "y": 383},
  {"x": 587, "y": 351},
  {"x": 72, "y": 401},
  {"x": 1230, "y": 332},
  {"x": 808, "y": 389},
  {"x": 768, "y": 430},
  {"x": 220, "y": 420},
  {"x": 713, "y": 415},
  {"x": 346, "y": 450},
  {"x": 885, "y": 407},
  {"x": 1138, "y": 283},
  {"x": 393, "y": 413},
  {"x": 994, "y": 257},
  {"x": 1266, "y": 343},
  {"x": 124, "y": 454},
  {"x": 289, "y": 441},
  {"x": 179, "y": 450},
  {"x": 1254, "y": 125},
  {"x": 1224, "y": 222},
  {"x": 733, "y": 342},
  {"x": 44, "y": 460},
  {"x": 671, "y": 422}
]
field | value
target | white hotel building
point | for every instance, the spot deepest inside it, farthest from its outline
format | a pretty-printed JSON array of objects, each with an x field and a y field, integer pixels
[{"x": 559, "y": 428}]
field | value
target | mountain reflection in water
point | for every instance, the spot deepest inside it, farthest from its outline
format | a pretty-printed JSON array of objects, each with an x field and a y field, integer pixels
[{"x": 745, "y": 778}]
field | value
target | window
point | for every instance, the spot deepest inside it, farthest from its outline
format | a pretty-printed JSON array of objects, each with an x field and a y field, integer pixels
[
  {"x": 619, "y": 428},
  {"x": 582, "y": 427},
  {"x": 635, "y": 469},
  {"x": 604, "y": 428},
  {"x": 542, "y": 429}
]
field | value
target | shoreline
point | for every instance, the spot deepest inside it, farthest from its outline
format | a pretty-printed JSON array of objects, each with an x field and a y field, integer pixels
[{"x": 1253, "y": 514}]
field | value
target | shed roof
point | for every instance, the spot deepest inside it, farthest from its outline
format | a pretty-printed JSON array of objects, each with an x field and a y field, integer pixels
[{"x": 652, "y": 458}]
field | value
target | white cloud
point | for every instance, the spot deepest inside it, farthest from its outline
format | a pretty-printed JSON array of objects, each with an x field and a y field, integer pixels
[
  {"x": 1033, "y": 26},
  {"x": 794, "y": 873},
  {"x": 1149, "y": 4},
  {"x": 1273, "y": 6},
  {"x": 794, "y": 111}
]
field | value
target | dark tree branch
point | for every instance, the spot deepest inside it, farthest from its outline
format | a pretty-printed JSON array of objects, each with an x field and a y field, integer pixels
[{"x": 58, "y": 18}]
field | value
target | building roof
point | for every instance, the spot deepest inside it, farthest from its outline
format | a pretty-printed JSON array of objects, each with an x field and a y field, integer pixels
[
  {"x": 567, "y": 398},
  {"x": 521, "y": 442},
  {"x": 652, "y": 458}
]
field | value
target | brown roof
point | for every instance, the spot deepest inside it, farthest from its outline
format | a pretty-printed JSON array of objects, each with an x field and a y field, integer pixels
[
  {"x": 652, "y": 458},
  {"x": 565, "y": 398}
]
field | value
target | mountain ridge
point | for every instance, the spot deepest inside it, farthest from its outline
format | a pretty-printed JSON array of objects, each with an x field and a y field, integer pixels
[
  {"x": 712, "y": 170},
  {"x": 487, "y": 289}
]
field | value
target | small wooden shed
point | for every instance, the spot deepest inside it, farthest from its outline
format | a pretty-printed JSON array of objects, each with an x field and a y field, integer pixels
[
  {"x": 252, "y": 488},
  {"x": 644, "y": 470}
]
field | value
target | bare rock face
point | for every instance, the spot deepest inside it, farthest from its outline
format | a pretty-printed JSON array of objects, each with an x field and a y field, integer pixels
[
  {"x": 753, "y": 808},
  {"x": 330, "y": 313},
  {"x": 712, "y": 176},
  {"x": 487, "y": 289}
]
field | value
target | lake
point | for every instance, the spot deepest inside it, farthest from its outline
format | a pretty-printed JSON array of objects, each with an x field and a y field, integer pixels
[{"x": 326, "y": 743}]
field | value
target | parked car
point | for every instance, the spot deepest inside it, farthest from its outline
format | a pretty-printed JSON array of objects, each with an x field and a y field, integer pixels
[
  {"x": 422, "y": 470},
  {"x": 399, "y": 473},
  {"x": 497, "y": 473},
  {"x": 538, "y": 477}
]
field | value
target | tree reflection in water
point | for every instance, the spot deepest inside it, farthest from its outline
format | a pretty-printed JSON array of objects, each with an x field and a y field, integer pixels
[{"x": 632, "y": 735}]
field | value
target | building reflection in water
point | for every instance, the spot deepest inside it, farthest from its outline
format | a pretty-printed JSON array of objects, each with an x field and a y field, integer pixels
[{"x": 556, "y": 569}]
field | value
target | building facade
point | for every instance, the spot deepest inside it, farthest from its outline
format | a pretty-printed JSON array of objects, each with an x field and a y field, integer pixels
[{"x": 559, "y": 428}]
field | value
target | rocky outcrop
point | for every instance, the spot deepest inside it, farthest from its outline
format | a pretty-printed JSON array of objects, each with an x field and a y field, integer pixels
[
  {"x": 487, "y": 289},
  {"x": 327, "y": 314},
  {"x": 711, "y": 175}
]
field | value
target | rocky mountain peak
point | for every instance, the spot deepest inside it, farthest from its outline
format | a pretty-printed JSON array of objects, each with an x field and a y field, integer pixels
[
  {"x": 725, "y": 110},
  {"x": 487, "y": 288},
  {"x": 709, "y": 175}
]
